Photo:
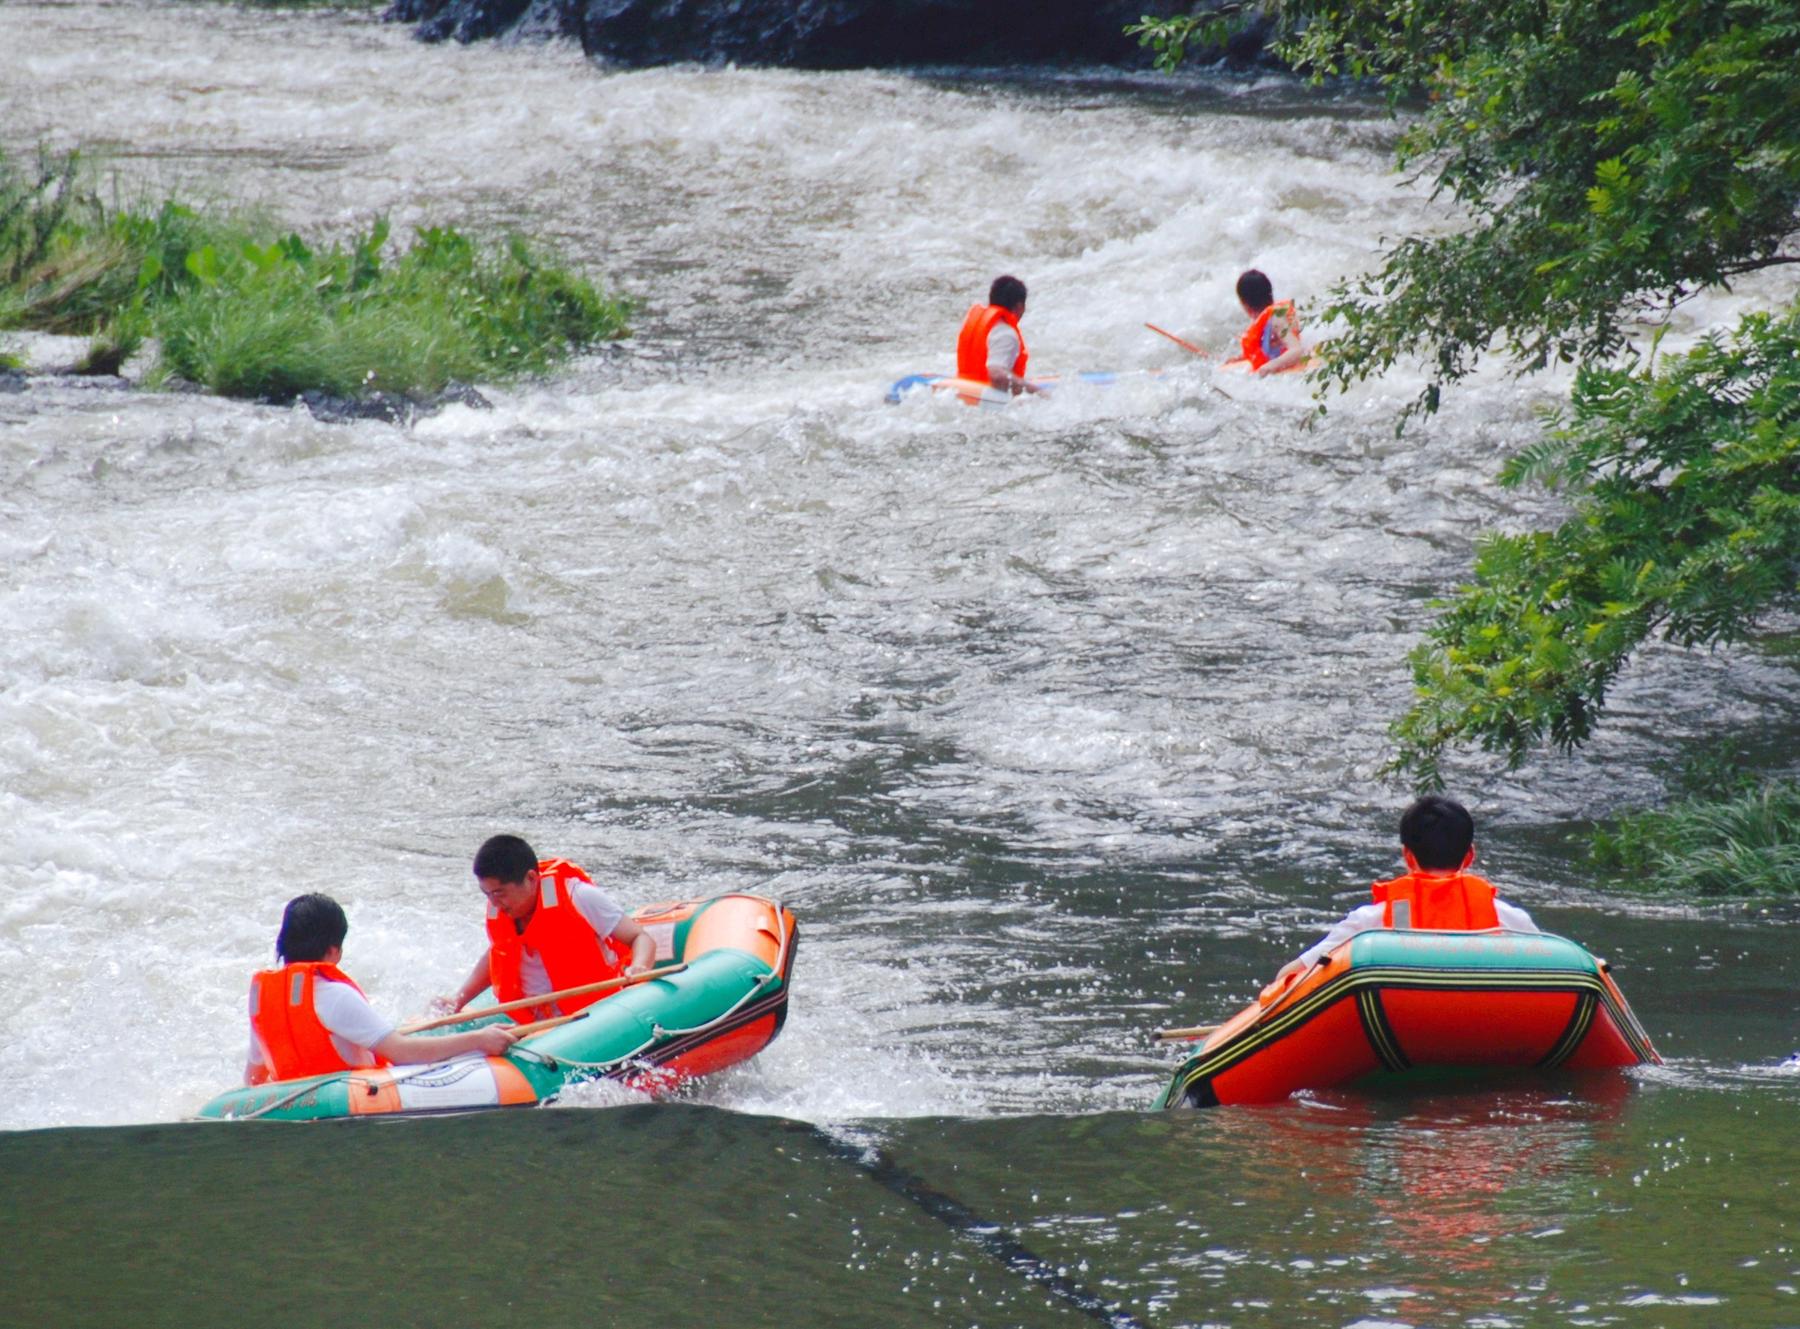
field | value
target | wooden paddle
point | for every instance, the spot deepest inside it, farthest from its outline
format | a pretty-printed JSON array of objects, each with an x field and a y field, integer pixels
[
  {"x": 1175, "y": 1035},
  {"x": 544, "y": 999},
  {"x": 538, "y": 1026},
  {"x": 1181, "y": 342}
]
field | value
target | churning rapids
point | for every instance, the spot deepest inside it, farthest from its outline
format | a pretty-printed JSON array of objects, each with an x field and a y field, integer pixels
[{"x": 1052, "y": 724}]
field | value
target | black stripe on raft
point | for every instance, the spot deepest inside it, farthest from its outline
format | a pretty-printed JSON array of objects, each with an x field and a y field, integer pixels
[
  {"x": 1196, "y": 1075},
  {"x": 1581, "y": 1019},
  {"x": 1378, "y": 1031}
]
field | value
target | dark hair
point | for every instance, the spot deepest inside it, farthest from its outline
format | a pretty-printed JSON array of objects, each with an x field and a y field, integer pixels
[
  {"x": 1007, "y": 292},
  {"x": 310, "y": 926},
  {"x": 504, "y": 858},
  {"x": 1254, "y": 290},
  {"x": 1439, "y": 832}
]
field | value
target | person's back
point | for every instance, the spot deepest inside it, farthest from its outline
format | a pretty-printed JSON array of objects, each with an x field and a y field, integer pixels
[
  {"x": 990, "y": 348},
  {"x": 1437, "y": 890},
  {"x": 1271, "y": 344},
  {"x": 308, "y": 1017}
]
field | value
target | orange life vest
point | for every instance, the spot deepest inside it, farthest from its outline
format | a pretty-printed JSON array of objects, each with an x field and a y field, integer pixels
[
  {"x": 1251, "y": 343},
  {"x": 972, "y": 343},
  {"x": 1448, "y": 901},
  {"x": 294, "y": 1040},
  {"x": 571, "y": 952}
]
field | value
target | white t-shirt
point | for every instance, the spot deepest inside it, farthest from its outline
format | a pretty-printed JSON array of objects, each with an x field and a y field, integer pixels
[
  {"x": 1003, "y": 349},
  {"x": 1368, "y": 917},
  {"x": 353, "y": 1024},
  {"x": 602, "y": 913}
]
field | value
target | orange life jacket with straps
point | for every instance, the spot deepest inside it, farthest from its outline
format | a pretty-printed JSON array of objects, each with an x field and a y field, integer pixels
[
  {"x": 571, "y": 952},
  {"x": 1447, "y": 901},
  {"x": 294, "y": 1040},
  {"x": 1251, "y": 343},
  {"x": 972, "y": 343}
]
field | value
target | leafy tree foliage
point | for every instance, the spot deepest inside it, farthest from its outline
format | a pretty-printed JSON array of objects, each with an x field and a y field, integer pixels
[
  {"x": 1686, "y": 488},
  {"x": 1612, "y": 157}
]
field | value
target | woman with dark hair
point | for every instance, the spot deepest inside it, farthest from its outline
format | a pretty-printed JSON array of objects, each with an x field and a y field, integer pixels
[{"x": 308, "y": 1017}]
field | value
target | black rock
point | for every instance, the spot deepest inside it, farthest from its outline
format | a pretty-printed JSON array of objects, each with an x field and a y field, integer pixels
[
  {"x": 821, "y": 34},
  {"x": 393, "y": 407}
]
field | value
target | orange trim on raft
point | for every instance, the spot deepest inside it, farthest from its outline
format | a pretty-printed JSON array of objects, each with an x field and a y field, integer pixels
[
  {"x": 511, "y": 1082},
  {"x": 372, "y": 1093},
  {"x": 744, "y": 922}
]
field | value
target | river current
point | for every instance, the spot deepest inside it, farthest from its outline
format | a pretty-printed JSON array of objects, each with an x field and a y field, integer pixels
[{"x": 1053, "y": 725}]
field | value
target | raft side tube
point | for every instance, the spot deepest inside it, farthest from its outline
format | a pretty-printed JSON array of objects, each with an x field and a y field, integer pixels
[{"x": 1398, "y": 1002}]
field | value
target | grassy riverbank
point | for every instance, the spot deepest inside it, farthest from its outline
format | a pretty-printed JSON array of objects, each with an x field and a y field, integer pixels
[
  {"x": 1727, "y": 831},
  {"x": 245, "y": 311},
  {"x": 1743, "y": 844}
]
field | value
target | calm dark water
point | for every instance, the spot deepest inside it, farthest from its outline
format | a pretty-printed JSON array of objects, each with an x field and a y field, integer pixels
[
  {"x": 1504, "y": 1206},
  {"x": 1053, "y": 725}
]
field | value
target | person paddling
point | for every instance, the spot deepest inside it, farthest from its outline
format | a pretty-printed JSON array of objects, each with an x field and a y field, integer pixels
[
  {"x": 990, "y": 348},
  {"x": 1437, "y": 839},
  {"x": 1271, "y": 344},
  {"x": 308, "y": 1017},
  {"x": 549, "y": 928}
]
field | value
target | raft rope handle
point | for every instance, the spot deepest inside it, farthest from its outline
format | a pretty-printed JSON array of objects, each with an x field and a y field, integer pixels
[
  {"x": 278, "y": 1103},
  {"x": 658, "y": 1035}
]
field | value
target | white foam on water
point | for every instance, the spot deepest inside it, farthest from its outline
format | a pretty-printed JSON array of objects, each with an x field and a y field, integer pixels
[{"x": 703, "y": 612}]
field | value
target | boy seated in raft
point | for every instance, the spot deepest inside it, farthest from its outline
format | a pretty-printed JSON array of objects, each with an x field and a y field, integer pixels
[
  {"x": 1437, "y": 840},
  {"x": 308, "y": 1017},
  {"x": 549, "y": 928},
  {"x": 1272, "y": 342}
]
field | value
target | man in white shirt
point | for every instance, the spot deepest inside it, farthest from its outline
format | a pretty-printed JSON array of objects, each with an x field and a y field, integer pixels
[
  {"x": 990, "y": 348},
  {"x": 1437, "y": 838}
]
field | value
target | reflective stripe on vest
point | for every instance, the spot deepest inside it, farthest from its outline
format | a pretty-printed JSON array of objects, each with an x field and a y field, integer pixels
[
  {"x": 563, "y": 939},
  {"x": 972, "y": 342},
  {"x": 294, "y": 1040},
  {"x": 1251, "y": 343},
  {"x": 1443, "y": 901}
]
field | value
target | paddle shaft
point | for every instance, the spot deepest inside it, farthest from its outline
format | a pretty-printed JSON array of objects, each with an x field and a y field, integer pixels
[
  {"x": 543, "y": 999},
  {"x": 1172, "y": 1035},
  {"x": 538, "y": 1026},
  {"x": 1181, "y": 341}
]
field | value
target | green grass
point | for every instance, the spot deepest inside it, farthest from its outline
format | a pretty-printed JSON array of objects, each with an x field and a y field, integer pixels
[
  {"x": 1745, "y": 842},
  {"x": 245, "y": 312}
]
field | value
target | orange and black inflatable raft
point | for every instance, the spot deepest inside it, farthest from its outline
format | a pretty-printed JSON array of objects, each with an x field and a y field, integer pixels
[{"x": 1414, "y": 1003}]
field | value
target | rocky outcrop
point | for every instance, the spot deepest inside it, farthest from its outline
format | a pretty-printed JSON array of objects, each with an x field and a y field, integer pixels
[{"x": 817, "y": 34}]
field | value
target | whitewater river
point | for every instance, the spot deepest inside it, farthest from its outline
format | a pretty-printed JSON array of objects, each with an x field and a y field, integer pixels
[{"x": 1053, "y": 725}]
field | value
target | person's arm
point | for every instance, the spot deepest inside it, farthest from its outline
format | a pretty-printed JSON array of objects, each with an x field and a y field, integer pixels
[
  {"x": 1293, "y": 355},
  {"x": 643, "y": 945},
  {"x": 1360, "y": 919},
  {"x": 346, "y": 1013},
  {"x": 491, "y": 1040},
  {"x": 1003, "y": 353},
  {"x": 1513, "y": 918},
  {"x": 608, "y": 919},
  {"x": 472, "y": 986},
  {"x": 1007, "y": 381}
]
